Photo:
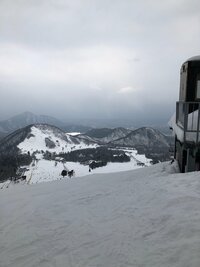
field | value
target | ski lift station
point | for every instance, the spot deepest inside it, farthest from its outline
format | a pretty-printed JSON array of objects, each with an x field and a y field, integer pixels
[{"x": 186, "y": 122}]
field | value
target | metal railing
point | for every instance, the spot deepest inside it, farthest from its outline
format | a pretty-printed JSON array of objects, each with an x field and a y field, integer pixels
[{"x": 188, "y": 119}]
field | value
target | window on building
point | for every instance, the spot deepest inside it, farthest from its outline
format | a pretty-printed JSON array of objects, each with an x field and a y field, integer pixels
[{"x": 198, "y": 87}]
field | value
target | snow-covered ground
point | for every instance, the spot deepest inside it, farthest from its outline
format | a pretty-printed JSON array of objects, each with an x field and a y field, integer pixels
[
  {"x": 146, "y": 217},
  {"x": 45, "y": 170},
  {"x": 74, "y": 133}
]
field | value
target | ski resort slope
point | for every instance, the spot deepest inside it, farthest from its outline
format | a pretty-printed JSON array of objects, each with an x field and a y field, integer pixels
[
  {"x": 146, "y": 217},
  {"x": 50, "y": 170},
  {"x": 62, "y": 142}
]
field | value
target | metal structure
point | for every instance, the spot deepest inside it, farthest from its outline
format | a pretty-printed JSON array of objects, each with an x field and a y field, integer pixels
[
  {"x": 187, "y": 118},
  {"x": 187, "y": 122}
]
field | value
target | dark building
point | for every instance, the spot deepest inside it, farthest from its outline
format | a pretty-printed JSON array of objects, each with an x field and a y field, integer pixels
[{"x": 186, "y": 124}]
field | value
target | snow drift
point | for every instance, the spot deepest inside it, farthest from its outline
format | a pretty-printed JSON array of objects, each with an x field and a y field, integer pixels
[{"x": 146, "y": 217}]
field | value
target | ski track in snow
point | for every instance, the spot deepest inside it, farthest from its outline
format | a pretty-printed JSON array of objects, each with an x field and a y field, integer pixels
[{"x": 145, "y": 217}]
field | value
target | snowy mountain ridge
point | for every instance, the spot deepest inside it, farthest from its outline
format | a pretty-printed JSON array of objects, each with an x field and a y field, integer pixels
[
  {"x": 47, "y": 137},
  {"x": 41, "y": 137},
  {"x": 43, "y": 142}
]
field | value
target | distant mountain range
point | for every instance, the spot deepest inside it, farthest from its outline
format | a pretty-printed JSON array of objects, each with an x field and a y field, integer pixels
[
  {"x": 50, "y": 135},
  {"x": 24, "y": 119},
  {"x": 105, "y": 135},
  {"x": 28, "y": 118},
  {"x": 148, "y": 141},
  {"x": 37, "y": 137},
  {"x": 46, "y": 141}
]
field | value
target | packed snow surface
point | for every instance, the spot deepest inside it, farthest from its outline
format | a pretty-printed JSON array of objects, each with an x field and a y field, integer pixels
[{"x": 145, "y": 217}]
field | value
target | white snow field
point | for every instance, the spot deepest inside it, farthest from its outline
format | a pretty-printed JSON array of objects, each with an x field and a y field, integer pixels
[
  {"x": 146, "y": 217},
  {"x": 45, "y": 170}
]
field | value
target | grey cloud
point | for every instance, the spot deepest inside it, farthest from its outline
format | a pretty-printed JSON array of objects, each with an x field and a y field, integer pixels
[{"x": 95, "y": 58}]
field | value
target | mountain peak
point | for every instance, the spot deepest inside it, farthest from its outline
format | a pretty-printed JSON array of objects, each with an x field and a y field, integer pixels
[
  {"x": 26, "y": 118},
  {"x": 37, "y": 137}
]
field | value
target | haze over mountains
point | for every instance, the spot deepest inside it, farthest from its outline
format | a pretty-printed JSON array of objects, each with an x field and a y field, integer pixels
[
  {"x": 105, "y": 135},
  {"x": 27, "y": 118}
]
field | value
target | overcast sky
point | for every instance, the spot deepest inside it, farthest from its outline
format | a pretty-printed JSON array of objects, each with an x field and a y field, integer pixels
[{"x": 104, "y": 59}]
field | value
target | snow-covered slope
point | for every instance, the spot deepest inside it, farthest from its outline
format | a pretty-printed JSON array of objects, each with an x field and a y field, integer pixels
[
  {"x": 147, "y": 217},
  {"x": 40, "y": 145},
  {"x": 45, "y": 137},
  {"x": 49, "y": 170}
]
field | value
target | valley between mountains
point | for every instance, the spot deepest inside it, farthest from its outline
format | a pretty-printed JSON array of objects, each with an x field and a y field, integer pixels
[{"x": 40, "y": 152}]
